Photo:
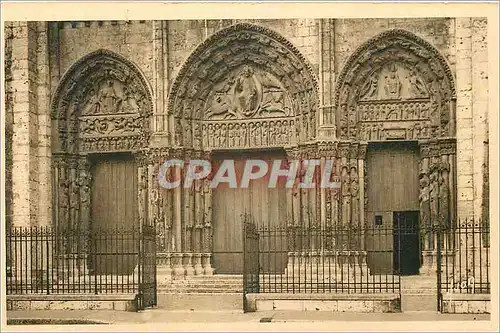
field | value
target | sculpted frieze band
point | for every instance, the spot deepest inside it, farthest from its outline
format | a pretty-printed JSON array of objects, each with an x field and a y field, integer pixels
[
  {"x": 125, "y": 125},
  {"x": 248, "y": 134}
]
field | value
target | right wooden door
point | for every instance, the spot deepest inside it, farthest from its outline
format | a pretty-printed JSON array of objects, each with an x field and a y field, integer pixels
[{"x": 392, "y": 186}]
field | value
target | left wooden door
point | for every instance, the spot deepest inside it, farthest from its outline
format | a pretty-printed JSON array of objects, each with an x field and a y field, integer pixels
[{"x": 114, "y": 213}]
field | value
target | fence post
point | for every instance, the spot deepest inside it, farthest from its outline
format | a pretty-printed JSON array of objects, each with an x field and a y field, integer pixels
[
  {"x": 94, "y": 252},
  {"x": 245, "y": 305},
  {"x": 438, "y": 268},
  {"x": 47, "y": 261}
]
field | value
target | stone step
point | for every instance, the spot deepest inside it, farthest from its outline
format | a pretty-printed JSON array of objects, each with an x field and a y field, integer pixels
[
  {"x": 200, "y": 301},
  {"x": 200, "y": 290},
  {"x": 418, "y": 302},
  {"x": 419, "y": 292},
  {"x": 204, "y": 283},
  {"x": 216, "y": 276}
]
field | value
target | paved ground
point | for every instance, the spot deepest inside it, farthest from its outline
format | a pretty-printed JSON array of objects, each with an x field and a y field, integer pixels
[{"x": 159, "y": 316}]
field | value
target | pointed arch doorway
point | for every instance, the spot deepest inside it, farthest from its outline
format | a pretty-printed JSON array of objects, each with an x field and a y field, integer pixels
[{"x": 100, "y": 113}]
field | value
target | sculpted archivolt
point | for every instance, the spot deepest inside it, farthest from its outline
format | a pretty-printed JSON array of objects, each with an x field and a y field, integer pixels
[
  {"x": 396, "y": 86},
  {"x": 245, "y": 86}
]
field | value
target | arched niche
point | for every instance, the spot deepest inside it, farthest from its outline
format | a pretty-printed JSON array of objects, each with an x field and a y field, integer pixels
[
  {"x": 102, "y": 104},
  {"x": 395, "y": 86},
  {"x": 244, "y": 87}
]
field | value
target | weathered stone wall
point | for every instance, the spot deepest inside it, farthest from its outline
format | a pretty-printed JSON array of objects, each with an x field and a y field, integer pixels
[
  {"x": 132, "y": 39},
  {"x": 472, "y": 113},
  {"x": 9, "y": 121},
  {"x": 29, "y": 127},
  {"x": 38, "y": 54}
]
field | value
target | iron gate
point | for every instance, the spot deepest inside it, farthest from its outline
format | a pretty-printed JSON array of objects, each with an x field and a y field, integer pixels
[{"x": 147, "y": 296}]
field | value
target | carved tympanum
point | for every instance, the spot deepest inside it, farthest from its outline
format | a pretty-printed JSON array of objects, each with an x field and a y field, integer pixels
[
  {"x": 396, "y": 81},
  {"x": 110, "y": 97},
  {"x": 247, "y": 94},
  {"x": 102, "y": 104}
]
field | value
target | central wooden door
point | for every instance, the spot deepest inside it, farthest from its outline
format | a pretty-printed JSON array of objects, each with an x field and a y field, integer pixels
[
  {"x": 114, "y": 213},
  {"x": 266, "y": 205}
]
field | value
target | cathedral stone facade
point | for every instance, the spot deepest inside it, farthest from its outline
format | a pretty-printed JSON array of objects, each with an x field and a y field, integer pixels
[{"x": 93, "y": 108}]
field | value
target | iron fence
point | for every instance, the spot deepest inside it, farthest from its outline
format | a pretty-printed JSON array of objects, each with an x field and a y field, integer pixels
[
  {"x": 46, "y": 260},
  {"x": 465, "y": 258},
  {"x": 294, "y": 259},
  {"x": 367, "y": 259}
]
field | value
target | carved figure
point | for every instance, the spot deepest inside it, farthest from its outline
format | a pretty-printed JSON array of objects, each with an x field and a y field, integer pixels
[
  {"x": 354, "y": 195},
  {"x": 247, "y": 93},
  {"x": 110, "y": 102},
  {"x": 434, "y": 196},
  {"x": 231, "y": 134},
  {"x": 392, "y": 112},
  {"x": 424, "y": 197},
  {"x": 74, "y": 204},
  {"x": 95, "y": 103},
  {"x": 188, "y": 135},
  {"x": 369, "y": 89},
  {"x": 142, "y": 187},
  {"x": 178, "y": 132},
  {"x": 417, "y": 86},
  {"x": 84, "y": 182},
  {"x": 197, "y": 135},
  {"x": 220, "y": 106},
  {"x": 346, "y": 197},
  {"x": 392, "y": 84},
  {"x": 273, "y": 96},
  {"x": 444, "y": 211},
  {"x": 130, "y": 104}
]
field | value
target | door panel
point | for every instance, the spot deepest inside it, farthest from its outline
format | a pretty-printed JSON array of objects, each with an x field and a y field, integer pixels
[
  {"x": 114, "y": 206},
  {"x": 406, "y": 243},
  {"x": 267, "y": 206}
]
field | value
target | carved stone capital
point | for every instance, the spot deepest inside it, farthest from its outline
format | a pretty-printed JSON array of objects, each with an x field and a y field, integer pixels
[
  {"x": 448, "y": 146},
  {"x": 343, "y": 149},
  {"x": 141, "y": 157},
  {"x": 362, "y": 149},
  {"x": 292, "y": 153},
  {"x": 178, "y": 153},
  {"x": 327, "y": 149},
  {"x": 158, "y": 154}
]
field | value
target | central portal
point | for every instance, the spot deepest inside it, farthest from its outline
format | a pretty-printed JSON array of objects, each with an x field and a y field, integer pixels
[{"x": 266, "y": 205}]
